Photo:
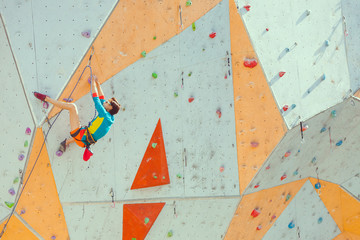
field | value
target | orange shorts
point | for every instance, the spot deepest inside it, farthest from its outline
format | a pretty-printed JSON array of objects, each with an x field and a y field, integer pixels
[{"x": 77, "y": 135}]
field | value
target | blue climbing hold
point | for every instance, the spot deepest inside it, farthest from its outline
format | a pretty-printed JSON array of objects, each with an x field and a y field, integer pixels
[
  {"x": 339, "y": 143},
  {"x": 323, "y": 130},
  {"x": 320, "y": 220},
  {"x": 333, "y": 113},
  {"x": 291, "y": 225},
  {"x": 317, "y": 185},
  {"x": 313, "y": 160},
  {"x": 293, "y": 106},
  {"x": 296, "y": 172}
]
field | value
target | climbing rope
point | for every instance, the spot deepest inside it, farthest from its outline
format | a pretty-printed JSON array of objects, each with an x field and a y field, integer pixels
[{"x": 47, "y": 133}]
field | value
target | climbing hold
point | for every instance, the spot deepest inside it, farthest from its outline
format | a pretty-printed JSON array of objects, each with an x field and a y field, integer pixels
[
  {"x": 305, "y": 127},
  {"x": 21, "y": 157},
  {"x": 281, "y": 74},
  {"x": 155, "y": 177},
  {"x": 320, "y": 220},
  {"x": 218, "y": 112},
  {"x": 28, "y": 131},
  {"x": 339, "y": 143},
  {"x": 222, "y": 168},
  {"x": 9, "y": 204},
  {"x": 59, "y": 153},
  {"x": 68, "y": 99},
  {"x": 212, "y": 35},
  {"x": 293, "y": 106},
  {"x": 323, "y": 77},
  {"x": 296, "y": 172},
  {"x": 53, "y": 237},
  {"x": 291, "y": 225},
  {"x": 16, "y": 180},
  {"x": 154, "y": 75},
  {"x": 26, "y": 143},
  {"x": 259, "y": 227},
  {"x": 86, "y": 34},
  {"x": 268, "y": 167},
  {"x": 170, "y": 233},
  {"x": 323, "y": 130},
  {"x": 313, "y": 160},
  {"x": 254, "y": 144},
  {"x": 143, "y": 53},
  {"x": 146, "y": 221},
  {"x": 188, "y": 3},
  {"x": 285, "y": 108},
  {"x": 12, "y": 191},
  {"x": 255, "y": 212},
  {"x": 247, "y": 7},
  {"x": 133, "y": 238},
  {"x": 176, "y": 94},
  {"x": 191, "y": 99},
  {"x": 163, "y": 177},
  {"x": 178, "y": 175},
  {"x": 287, "y": 154},
  {"x": 190, "y": 73},
  {"x": 45, "y": 105},
  {"x": 287, "y": 49},
  {"x": 283, "y": 177},
  {"x": 250, "y": 63},
  {"x": 22, "y": 211},
  {"x": 193, "y": 26},
  {"x": 288, "y": 197},
  {"x": 153, "y": 145},
  {"x": 273, "y": 217},
  {"x": 317, "y": 185},
  {"x": 327, "y": 43},
  {"x": 333, "y": 113},
  {"x": 267, "y": 29},
  {"x": 154, "y": 38},
  {"x": 256, "y": 186},
  {"x": 307, "y": 12}
]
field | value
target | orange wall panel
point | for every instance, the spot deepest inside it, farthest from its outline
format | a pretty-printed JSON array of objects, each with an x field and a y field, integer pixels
[{"x": 16, "y": 230}]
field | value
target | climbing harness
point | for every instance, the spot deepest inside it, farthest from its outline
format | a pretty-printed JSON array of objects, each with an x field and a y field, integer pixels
[{"x": 42, "y": 146}]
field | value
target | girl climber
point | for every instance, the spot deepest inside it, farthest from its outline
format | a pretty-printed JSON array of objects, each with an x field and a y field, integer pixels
[{"x": 98, "y": 127}]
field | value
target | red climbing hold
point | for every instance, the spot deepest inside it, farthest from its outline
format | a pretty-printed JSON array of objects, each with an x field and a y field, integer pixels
[
  {"x": 287, "y": 154},
  {"x": 267, "y": 29},
  {"x": 285, "y": 108},
  {"x": 256, "y": 186},
  {"x": 281, "y": 74},
  {"x": 259, "y": 227},
  {"x": 247, "y": 7},
  {"x": 283, "y": 177},
  {"x": 218, "y": 112},
  {"x": 250, "y": 63},
  {"x": 135, "y": 216},
  {"x": 191, "y": 99},
  {"x": 212, "y": 35},
  {"x": 157, "y": 164},
  {"x": 255, "y": 212}
]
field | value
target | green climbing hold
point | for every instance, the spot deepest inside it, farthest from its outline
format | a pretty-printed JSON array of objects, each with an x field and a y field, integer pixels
[
  {"x": 154, "y": 145},
  {"x": 16, "y": 180},
  {"x": 188, "y": 3},
  {"x": 9, "y": 204},
  {"x": 178, "y": 175},
  {"x": 170, "y": 233},
  {"x": 163, "y": 177},
  {"x": 176, "y": 94},
  {"x": 147, "y": 220},
  {"x": 154, "y": 75},
  {"x": 133, "y": 238},
  {"x": 143, "y": 53},
  {"x": 154, "y": 37},
  {"x": 333, "y": 113},
  {"x": 193, "y": 26},
  {"x": 288, "y": 197},
  {"x": 26, "y": 143},
  {"x": 155, "y": 177},
  {"x": 190, "y": 73}
]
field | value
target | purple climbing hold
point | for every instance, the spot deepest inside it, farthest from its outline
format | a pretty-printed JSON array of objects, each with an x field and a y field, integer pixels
[
  {"x": 28, "y": 131},
  {"x": 22, "y": 211},
  {"x": 86, "y": 34},
  {"x": 59, "y": 153},
  {"x": 45, "y": 105},
  {"x": 68, "y": 99},
  {"x": 53, "y": 237},
  {"x": 12, "y": 191},
  {"x": 21, "y": 157}
]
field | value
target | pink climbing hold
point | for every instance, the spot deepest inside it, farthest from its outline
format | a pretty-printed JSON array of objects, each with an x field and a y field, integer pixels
[
  {"x": 254, "y": 144},
  {"x": 45, "y": 105},
  {"x": 283, "y": 177},
  {"x": 287, "y": 154},
  {"x": 191, "y": 99},
  {"x": 12, "y": 191},
  {"x": 218, "y": 112},
  {"x": 222, "y": 169},
  {"x": 255, "y": 212},
  {"x": 281, "y": 74},
  {"x": 86, "y": 34},
  {"x": 28, "y": 131},
  {"x": 212, "y": 35},
  {"x": 268, "y": 167},
  {"x": 250, "y": 63},
  {"x": 247, "y": 7}
]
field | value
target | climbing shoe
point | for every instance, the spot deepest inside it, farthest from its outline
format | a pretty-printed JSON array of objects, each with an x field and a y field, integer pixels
[
  {"x": 63, "y": 146},
  {"x": 40, "y": 96}
]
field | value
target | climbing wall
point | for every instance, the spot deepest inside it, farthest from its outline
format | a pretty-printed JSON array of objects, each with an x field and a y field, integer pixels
[
  {"x": 17, "y": 126},
  {"x": 237, "y": 120}
]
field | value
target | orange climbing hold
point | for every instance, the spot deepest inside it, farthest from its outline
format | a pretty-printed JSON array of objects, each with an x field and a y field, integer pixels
[
  {"x": 139, "y": 218},
  {"x": 153, "y": 164}
]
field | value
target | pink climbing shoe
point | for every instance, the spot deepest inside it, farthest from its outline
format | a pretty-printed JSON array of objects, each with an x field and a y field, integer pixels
[{"x": 40, "y": 96}]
